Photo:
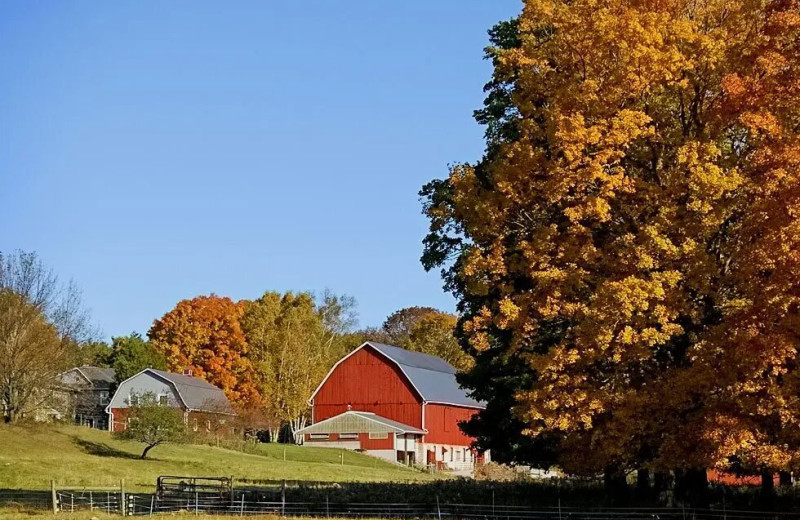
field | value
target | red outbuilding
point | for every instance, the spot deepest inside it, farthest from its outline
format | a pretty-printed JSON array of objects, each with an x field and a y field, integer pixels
[{"x": 400, "y": 405}]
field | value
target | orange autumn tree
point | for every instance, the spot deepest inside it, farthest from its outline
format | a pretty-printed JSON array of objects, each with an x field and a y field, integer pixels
[
  {"x": 204, "y": 335},
  {"x": 627, "y": 251}
]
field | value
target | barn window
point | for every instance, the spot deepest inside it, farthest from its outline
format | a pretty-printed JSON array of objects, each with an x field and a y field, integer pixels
[
  {"x": 133, "y": 400},
  {"x": 348, "y": 436},
  {"x": 163, "y": 399},
  {"x": 318, "y": 436},
  {"x": 378, "y": 435}
]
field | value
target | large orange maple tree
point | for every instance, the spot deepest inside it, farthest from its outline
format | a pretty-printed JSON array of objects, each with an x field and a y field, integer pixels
[
  {"x": 632, "y": 235},
  {"x": 204, "y": 335}
]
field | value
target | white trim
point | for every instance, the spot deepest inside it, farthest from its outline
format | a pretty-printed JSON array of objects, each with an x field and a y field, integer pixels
[
  {"x": 363, "y": 415},
  {"x": 81, "y": 373},
  {"x": 471, "y": 407}
]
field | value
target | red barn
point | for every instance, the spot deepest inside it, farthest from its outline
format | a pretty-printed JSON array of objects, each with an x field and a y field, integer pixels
[{"x": 400, "y": 405}]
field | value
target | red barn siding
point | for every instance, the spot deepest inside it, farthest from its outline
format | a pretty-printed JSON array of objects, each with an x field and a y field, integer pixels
[
  {"x": 376, "y": 444},
  {"x": 442, "y": 420},
  {"x": 369, "y": 383},
  {"x": 120, "y": 423}
]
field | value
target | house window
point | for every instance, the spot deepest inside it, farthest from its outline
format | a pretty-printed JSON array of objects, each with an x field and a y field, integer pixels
[
  {"x": 318, "y": 436},
  {"x": 194, "y": 424},
  {"x": 133, "y": 400},
  {"x": 163, "y": 400},
  {"x": 348, "y": 436},
  {"x": 208, "y": 426},
  {"x": 378, "y": 435},
  {"x": 103, "y": 397}
]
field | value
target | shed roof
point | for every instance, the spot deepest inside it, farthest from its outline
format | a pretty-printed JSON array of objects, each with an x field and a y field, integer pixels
[
  {"x": 360, "y": 422},
  {"x": 432, "y": 377}
]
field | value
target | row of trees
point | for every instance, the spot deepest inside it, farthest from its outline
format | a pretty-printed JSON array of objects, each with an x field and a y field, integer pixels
[
  {"x": 626, "y": 254},
  {"x": 267, "y": 354}
]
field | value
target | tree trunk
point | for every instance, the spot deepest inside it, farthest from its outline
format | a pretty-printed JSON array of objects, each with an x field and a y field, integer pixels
[
  {"x": 661, "y": 482},
  {"x": 615, "y": 484},
  {"x": 692, "y": 486},
  {"x": 767, "y": 483},
  {"x": 643, "y": 482},
  {"x": 148, "y": 448}
]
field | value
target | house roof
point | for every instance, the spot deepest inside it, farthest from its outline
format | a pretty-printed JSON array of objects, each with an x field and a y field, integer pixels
[
  {"x": 360, "y": 422},
  {"x": 196, "y": 394},
  {"x": 97, "y": 375},
  {"x": 432, "y": 377}
]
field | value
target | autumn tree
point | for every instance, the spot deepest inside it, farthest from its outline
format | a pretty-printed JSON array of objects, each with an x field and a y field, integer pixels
[
  {"x": 131, "y": 354},
  {"x": 398, "y": 325},
  {"x": 204, "y": 335},
  {"x": 293, "y": 343},
  {"x": 626, "y": 249},
  {"x": 42, "y": 322},
  {"x": 433, "y": 333}
]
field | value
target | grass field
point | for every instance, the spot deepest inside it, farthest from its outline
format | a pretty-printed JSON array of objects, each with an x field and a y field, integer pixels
[{"x": 30, "y": 456}]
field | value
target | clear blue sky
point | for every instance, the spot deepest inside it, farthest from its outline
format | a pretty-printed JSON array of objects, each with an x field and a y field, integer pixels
[{"x": 155, "y": 151}]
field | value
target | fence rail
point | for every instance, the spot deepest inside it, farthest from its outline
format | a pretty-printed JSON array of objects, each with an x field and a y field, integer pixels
[{"x": 239, "y": 506}]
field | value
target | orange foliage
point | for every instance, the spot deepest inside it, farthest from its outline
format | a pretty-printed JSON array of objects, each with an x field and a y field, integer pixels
[
  {"x": 647, "y": 210},
  {"x": 204, "y": 335}
]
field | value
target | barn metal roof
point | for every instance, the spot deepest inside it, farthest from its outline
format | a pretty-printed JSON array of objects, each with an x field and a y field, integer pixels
[
  {"x": 432, "y": 377},
  {"x": 196, "y": 393},
  {"x": 360, "y": 422}
]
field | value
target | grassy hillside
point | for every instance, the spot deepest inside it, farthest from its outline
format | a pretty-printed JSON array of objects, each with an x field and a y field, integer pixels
[{"x": 30, "y": 456}]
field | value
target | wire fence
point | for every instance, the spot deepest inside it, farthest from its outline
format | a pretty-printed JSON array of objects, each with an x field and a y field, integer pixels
[
  {"x": 243, "y": 504},
  {"x": 139, "y": 505}
]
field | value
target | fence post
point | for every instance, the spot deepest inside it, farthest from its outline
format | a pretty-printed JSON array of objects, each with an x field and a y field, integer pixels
[
  {"x": 152, "y": 503},
  {"x": 196, "y": 499},
  {"x": 241, "y": 510},
  {"x": 122, "y": 497},
  {"x": 91, "y": 502},
  {"x": 283, "y": 498},
  {"x": 54, "y": 496},
  {"x": 438, "y": 508}
]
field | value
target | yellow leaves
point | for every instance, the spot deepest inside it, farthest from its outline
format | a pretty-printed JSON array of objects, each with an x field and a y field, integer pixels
[
  {"x": 508, "y": 312},
  {"x": 707, "y": 182},
  {"x": 642, "y": 227}
]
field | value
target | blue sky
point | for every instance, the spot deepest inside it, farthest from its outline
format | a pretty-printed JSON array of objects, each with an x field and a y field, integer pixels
[{"x": 155, "y": 151}]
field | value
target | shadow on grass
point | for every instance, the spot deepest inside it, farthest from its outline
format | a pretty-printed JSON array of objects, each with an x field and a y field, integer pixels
[{"x": 102, "y": 450}]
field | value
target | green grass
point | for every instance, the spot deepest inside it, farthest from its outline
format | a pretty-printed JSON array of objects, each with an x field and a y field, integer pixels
[{"x": 32, "y": 455}]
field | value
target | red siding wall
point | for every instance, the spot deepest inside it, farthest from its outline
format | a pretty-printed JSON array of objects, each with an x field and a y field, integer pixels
[
  {"x": 441, "y": 421},
  {"x": 376, "y": 444},
  {"x": 368, "y": 382}
]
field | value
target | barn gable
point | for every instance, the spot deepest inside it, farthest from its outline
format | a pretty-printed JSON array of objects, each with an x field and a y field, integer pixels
[
  {"x": 432, "y": 379},
  {"x": 365, "y": 381},
  {"x": 142, "y": 383}
]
